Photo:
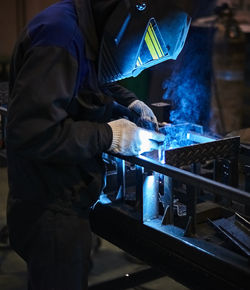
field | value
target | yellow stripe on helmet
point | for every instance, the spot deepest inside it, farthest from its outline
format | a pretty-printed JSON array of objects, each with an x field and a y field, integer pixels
[
  {"x": 139, "y": 62},
  {"x": 153, "y": 43},
  {"x": 156, "y": 42},
  {"x": 150, "y": 45}
]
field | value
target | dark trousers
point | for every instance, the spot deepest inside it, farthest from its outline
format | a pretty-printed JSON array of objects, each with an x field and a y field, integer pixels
[{"x": 58, "y": 252}]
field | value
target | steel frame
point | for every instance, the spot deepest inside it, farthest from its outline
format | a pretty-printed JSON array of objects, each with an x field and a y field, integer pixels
[{"x": 155, "y": 240}]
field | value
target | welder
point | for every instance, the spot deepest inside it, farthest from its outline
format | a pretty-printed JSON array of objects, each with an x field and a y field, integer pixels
[{"x": 61, "y": 118}]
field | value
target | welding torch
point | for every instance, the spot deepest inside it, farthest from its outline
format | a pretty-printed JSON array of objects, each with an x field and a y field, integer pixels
[{"x": 120, "y": 111}]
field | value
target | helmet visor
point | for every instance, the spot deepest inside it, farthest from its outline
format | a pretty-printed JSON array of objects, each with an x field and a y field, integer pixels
[{"x": 152, "y": 47}]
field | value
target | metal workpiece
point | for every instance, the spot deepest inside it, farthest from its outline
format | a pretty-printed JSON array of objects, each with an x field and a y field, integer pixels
[
  {"x": 195, "y": 263},
  {"x": 190, "y": 178},
  {"x": 121, "y": 178},
  {"x": 200, "y": 152},
  {"x": 167, "y": 200},
  {"x": 235, "y": 230},
  {"x": 150, "y": 201},
  {"x": 174, "y": 203}
]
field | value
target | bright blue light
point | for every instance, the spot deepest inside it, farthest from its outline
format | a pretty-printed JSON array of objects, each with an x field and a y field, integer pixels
[
  {"x": 150, "y": 197},
  {"x": 146, "y": 137},
  {"x": 177, "y": 136},
  {"x": 161, "y": 155},
  {"x": 145, "y": 143}
]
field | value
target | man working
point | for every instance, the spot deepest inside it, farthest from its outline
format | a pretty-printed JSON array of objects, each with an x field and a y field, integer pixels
[{"x": 61, "y": 118}]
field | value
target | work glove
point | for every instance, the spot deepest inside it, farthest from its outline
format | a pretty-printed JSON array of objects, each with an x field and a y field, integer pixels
[
  {"x": 145, "y": 113},
  {"x": 128, "y": 139}
]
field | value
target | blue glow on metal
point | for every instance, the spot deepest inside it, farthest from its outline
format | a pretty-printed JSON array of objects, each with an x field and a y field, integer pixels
[
  {"x": 150, "y": 197},
  {"x": 197, "y": 138},
  {"x": 161, "y": 154},
  {"x": 181, "y": 135},
  {"x": 178, "y": 233},
  {"x": 123, "y": 29},
  {"x": 146, "y": 138},
  {"x": 176, "y": 136}
]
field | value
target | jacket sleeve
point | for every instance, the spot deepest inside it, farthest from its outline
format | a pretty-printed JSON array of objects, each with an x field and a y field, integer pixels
[
  {"x": 39, "y": 126},
  {"x": 120, "y": 94}
]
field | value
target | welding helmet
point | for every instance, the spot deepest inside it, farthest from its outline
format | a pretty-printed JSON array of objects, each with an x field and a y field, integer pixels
[{"x": 140, "y": 34}]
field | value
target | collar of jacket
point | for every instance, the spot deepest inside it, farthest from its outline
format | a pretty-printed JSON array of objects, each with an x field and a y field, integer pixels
[{"x": 88, "y": 28}]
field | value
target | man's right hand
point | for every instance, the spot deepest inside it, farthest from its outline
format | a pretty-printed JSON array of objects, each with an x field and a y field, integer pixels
[{"x": 128, "y": 139}]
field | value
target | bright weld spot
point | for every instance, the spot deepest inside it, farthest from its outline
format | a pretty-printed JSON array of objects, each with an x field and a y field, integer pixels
[
  {"x": 161, "y": 155},
  {"x": 144, "y": 137}
]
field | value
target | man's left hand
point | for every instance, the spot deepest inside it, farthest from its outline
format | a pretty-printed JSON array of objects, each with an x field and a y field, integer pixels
[{"x": 145, "y": 113}]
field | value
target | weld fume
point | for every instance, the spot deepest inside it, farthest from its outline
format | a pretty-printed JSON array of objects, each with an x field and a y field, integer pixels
[
  {"x": 189, "y": 87},
  {"x": 178, "y": 135}
]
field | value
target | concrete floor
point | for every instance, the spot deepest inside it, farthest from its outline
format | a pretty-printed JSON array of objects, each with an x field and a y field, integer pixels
[{"x": 109, "y": 262}]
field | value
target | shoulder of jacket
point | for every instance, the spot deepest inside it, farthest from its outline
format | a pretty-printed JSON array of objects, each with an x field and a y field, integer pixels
[{"x": 53, "y": 26}]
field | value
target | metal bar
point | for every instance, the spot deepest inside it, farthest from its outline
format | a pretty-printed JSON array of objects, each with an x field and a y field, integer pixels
[
  {"x": 139, "y": 191},
  {"x": 230, "y": 171},
  {"x": 121, "y": 177},
  {"x": 193, "y": 193},
  {"x": 150, "y": 196},
  {"x": 168, "y": 197},
  {"x": 232, "y": 239},
  {"x": 234, "y": 171},
  {"x": 195, "y": 263},
  {"x": 191, "y": 207},
  {"x": 219, "y": 176},
  {"x": 199, "y": 138},
  {"x": 242, "y": 220},
  {"x": 190, "y": 178}
]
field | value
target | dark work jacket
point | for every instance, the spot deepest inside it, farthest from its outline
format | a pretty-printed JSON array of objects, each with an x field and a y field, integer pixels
[{"x": 57, "y": 114}]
